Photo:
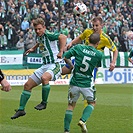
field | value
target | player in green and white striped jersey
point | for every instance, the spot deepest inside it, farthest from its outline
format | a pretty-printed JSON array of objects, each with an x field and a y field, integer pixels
[
  {"x": 50, "y": 70},
  {"x": 130, "y": 57},
  {"x": 86, "y": 59}
]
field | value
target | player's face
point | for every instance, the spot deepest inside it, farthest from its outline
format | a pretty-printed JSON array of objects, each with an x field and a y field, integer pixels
[
  {"x": 40, "y": 29},
  {"x": 97, "y": 27}
]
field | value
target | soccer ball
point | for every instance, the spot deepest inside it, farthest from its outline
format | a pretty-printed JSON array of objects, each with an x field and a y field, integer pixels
[{"x": 80, "y": 9}]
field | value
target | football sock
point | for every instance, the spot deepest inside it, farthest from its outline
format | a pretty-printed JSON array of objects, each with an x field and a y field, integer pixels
[
  {"x": 87, "y": 112},
  {"x": 45, "y": 92},
  {"x": 23, "y": 99},
  {"x": 67, "y": 120},
  {"x": 95, "y": 73}
]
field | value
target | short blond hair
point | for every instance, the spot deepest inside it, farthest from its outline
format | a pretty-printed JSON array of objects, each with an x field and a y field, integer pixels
[
  {"x": 38, "y": 21},
  {"x": 98, "y": 18}
]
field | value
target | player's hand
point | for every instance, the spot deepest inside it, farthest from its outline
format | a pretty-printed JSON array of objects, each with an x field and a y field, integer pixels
[
  {"x": 112, "y": 66},
  {"x": 69, "y": 45},
  {"x": 5, "y": 85},
  {"x": 28, "y": 51},
  {"x": 59, "y": 55}
]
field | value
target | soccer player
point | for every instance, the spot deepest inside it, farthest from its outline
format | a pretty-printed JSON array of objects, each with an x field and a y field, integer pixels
[
  {"x": 5, "y": 85},
  {"x": 87, "y": 57},
  {"x": 50, "y": 70},
  {"x": 130, "y": 57},
  {"x": 105, "y": 41}
]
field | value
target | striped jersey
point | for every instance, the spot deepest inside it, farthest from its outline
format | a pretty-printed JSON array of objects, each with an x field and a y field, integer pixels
[
  {"x": 131, "y": 54},
  {"x": 86, "y": 59},
  {"x": 105, "y": 40},
  {"x": 48, "y": 47}
]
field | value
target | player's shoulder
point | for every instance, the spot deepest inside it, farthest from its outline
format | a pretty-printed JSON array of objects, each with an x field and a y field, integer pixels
[
  {"x": 105, "y": 36},
  {"x": 88, "y": 30},
  {"x": 50, "y": 34}
]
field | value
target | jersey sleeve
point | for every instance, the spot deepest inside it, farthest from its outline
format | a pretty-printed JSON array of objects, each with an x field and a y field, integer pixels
[
  {"x": 53, "y": 35},
  {"x": 1, "y": 76},
  {"x": 84, "y": 34},
  {"x": 110, "y": 44}
]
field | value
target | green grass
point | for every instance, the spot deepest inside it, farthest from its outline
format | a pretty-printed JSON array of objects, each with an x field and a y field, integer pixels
[{"x": 112, "y": 114}]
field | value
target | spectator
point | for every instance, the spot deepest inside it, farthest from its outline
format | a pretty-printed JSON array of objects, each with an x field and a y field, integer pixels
[
  {"x": 20, "y": 44},
  {"x": 69, "y": 39},
  {"x": 25, "y": 25},
  {"x": 118, "y": 11},
  {"x": 29, "y": 42},
  {"x": 35, "y": 11},
  {"x": 10, "y": 32},
  {"x": 22, "y": 9},
  {"x": 2, "y": 15},
  {"x": 3, "y": 41},
  {"x": 30, "y": 3}
]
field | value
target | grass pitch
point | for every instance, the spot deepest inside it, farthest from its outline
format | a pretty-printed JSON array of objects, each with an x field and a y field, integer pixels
[{"x": 112, "y": 114}]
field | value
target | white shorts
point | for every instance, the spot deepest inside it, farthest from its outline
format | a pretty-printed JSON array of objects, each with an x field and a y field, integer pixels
[
  {"x": 75, "y": 91},
  {"x": 53, "y": 69}
]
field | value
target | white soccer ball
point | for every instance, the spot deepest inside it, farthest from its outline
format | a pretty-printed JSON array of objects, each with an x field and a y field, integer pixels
[{"x": 80, "y": 9}]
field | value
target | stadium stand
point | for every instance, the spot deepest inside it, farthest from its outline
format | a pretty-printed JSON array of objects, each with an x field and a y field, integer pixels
[{"x": 15, "y": 15}]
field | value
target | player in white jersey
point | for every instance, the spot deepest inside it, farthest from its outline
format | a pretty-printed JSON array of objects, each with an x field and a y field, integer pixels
[
  {"x": 87, "y": 57},
  {"x": 50, "y": 70}
]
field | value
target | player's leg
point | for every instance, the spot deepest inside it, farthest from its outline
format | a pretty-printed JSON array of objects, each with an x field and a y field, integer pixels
[
  {"x": 53, "y": 71},
  {"x": 73, "y": 95},
  {"x": 25, "y": 95},
  {"x": 89, "y": 95},
  {"x": 94, "y": 78},
  {"x": 46, "y": 77}
]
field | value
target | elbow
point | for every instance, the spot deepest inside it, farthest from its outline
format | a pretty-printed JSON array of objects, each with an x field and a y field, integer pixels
[{"x": 62, "y": 36}]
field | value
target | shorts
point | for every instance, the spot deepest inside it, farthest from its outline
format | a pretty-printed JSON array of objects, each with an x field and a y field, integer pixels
[
  {"x": 53, "y": 69},
  {"x": 88, "y": 93}
]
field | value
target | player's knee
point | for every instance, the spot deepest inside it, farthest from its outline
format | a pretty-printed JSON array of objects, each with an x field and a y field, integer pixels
[
  {"x": 91, "y": 100},
  {"x": 93, "y": 103},
  {"x": 45, "y": 79},
  {"x": 27, "y": 86}
]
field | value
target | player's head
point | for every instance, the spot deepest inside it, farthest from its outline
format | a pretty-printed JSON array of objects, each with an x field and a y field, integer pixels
[
  {"x": 39, "y": 26},
  {"x": 97, "y": 24},
  {"x": 94, "y": 39}
]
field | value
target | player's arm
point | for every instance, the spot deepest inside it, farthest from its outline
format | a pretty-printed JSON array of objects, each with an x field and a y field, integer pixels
[
  {"x": 112, "y": 65},
  {"x": 31, "y": 49},
  {"x": 109, "y": 44},
  {"x": 69, "y": 62},
  {"x": 78, "y": 39},
  {"x": 130, "y": 60},
  {"x": 130, "y": 57},
  {"x": 1, "y": 76},
  {"x": 74, "y": 41},
  {"x": 5, "y": 85},
  {"x": 62, "y": 43}
]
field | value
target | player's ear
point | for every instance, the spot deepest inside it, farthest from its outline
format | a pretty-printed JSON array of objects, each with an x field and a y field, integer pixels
[{"x": 97, "y": 44}]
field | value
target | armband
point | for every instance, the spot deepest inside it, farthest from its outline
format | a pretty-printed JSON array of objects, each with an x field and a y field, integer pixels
[{"x": 1, "y": 76}]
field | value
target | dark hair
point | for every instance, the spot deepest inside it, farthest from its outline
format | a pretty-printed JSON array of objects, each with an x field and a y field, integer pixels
[{"x": 94, "y": 38}]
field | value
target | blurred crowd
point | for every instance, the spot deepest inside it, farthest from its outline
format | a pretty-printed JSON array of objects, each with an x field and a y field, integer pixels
[{"x": 17, "y": 16}]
